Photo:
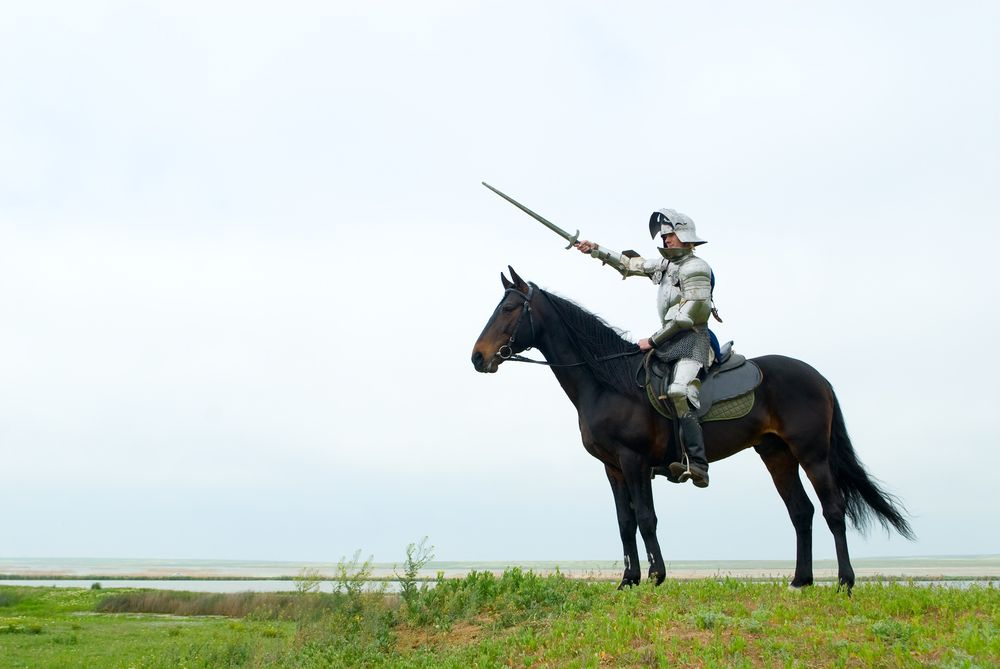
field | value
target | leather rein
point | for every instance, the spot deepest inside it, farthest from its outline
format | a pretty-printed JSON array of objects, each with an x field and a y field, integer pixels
[{"x": 506, "y": 352}]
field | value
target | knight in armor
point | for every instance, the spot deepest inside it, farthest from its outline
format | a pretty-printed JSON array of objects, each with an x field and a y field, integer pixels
[{"x": 684, "y": 302}]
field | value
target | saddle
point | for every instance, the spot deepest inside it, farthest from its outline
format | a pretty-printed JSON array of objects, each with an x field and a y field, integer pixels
[{"x": 727, "y": 389}]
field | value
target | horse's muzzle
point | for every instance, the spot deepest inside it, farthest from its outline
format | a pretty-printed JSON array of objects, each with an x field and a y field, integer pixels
[{"x": 483, "y": 364}]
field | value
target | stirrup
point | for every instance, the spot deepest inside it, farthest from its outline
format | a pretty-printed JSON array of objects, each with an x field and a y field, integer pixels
[
  {"x": 682, "y": 472},
  {"x": 664, "y": 472}
]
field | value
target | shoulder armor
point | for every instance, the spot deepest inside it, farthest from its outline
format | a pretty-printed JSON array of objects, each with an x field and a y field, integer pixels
[
  {"x": 693, "y": 266},
  {"x": 695, "y": 277}
]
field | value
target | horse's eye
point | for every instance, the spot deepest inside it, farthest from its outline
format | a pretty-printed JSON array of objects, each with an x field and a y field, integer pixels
[{"x": 507, "y": 308}]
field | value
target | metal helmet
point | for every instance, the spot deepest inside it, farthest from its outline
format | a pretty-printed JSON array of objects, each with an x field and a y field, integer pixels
[{"x": 664, "y": 221}]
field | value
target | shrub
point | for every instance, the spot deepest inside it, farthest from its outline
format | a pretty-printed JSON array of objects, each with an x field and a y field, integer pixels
[
  {"x": 417, "y": 557},
  {"x": 707, "y": 620},
  {"x": 892, "y": 631},
  {"x": 352, "y": 575},
  {"x": 308, "y": 580},
  {"x": 10, "y": 597}
]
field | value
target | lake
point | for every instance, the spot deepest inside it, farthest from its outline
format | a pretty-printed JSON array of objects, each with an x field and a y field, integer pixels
[{"x": 272, "y": 576}]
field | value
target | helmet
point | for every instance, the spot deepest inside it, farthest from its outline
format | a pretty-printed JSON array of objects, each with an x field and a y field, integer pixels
[{"x": 667, "y": 220}]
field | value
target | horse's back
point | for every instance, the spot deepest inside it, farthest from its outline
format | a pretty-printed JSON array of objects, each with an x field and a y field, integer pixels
[
  {"x": 783, "y": 367},
  {"x": 795, "y": 395}
]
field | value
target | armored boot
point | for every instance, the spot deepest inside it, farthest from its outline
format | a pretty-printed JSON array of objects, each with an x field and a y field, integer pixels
[{"x": 694, "y": 444}]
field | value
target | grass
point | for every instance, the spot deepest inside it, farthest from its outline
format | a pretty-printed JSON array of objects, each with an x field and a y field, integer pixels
[{"x": 517, "y": 619}]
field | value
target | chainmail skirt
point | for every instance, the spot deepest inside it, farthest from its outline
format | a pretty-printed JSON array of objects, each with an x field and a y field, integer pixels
[{"x": 693, "y": 344}]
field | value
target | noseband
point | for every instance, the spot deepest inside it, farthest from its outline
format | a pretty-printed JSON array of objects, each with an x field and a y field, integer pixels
[{"x": 506, "y": 351}]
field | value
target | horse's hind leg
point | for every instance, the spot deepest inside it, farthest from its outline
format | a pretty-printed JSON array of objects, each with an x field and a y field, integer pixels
[
  {"x": 626, "y": 527},
  {"x": 834, "y": 507},
  {"x": 784, "y": 470}
]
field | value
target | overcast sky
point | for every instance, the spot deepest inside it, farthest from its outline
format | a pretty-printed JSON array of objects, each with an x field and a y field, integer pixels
[{"x": 245, "y": 255}]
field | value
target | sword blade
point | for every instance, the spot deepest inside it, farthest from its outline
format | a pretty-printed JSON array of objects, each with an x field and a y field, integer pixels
[{"x": 541, "y": 219}]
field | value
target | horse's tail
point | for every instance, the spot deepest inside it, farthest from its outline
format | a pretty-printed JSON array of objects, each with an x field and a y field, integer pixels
[{"x": 862, "y": 495}]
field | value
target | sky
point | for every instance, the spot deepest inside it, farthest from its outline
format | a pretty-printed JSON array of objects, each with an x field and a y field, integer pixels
[{"x": 245, "y": 255}]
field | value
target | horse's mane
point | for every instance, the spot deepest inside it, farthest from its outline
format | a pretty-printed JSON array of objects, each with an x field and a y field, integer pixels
[{"x": 594, "y": 338}]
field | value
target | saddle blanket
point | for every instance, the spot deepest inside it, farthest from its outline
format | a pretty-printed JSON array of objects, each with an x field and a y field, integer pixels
[{"x": 727, "y": 392}]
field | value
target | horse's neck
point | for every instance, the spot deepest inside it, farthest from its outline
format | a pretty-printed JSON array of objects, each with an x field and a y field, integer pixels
[{"x": 577, "y": 381}]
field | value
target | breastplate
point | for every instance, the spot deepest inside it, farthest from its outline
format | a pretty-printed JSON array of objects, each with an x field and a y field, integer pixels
[{"x": 669, "y": 293}]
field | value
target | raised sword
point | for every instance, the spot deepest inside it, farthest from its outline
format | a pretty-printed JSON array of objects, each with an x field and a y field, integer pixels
[{"x": 572, "y": 239}]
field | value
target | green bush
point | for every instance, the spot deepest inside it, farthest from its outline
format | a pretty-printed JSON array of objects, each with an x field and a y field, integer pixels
[
  {"x": 892, "y": 631},
  {"x": 706, "y": 620},
  {"x": 10, "y": 597},
  {"x": 417, "y": 557}
]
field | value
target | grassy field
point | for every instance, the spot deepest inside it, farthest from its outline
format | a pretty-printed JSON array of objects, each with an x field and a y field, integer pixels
[{"x": 518, "y": 619}]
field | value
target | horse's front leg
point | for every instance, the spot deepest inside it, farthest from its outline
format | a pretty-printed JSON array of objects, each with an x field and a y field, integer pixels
[
  {"x": 626, "y": 527},
  {"x": 635, "y": 469}
]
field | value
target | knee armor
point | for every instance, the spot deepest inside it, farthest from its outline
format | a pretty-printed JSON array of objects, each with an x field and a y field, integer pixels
[{"x": 684, "y": 386}]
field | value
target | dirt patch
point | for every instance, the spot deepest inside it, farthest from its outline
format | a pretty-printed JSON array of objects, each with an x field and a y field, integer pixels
[{"x": 409, "y": 638}]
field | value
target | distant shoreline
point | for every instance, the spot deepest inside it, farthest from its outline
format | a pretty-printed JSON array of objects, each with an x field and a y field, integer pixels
[
  {"x": 935, "y": 568},
  {"x": 13, "y": 579}
]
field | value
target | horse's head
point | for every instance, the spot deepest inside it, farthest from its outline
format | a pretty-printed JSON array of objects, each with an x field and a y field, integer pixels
[{"x": 511, "y": 329}]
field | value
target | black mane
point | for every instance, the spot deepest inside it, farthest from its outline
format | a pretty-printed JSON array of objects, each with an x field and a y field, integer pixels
[{"x": 594, "y": 339}]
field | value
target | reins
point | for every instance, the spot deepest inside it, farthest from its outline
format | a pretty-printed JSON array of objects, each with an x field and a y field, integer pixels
[
  {"x": 520, "y": 358},
  {"x": 509, "y": 354}
]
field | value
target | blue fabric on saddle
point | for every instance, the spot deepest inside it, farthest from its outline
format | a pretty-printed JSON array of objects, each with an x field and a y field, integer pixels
[
  {"x": 711, "y": 335},
  {"x": 715, "y": 345}
]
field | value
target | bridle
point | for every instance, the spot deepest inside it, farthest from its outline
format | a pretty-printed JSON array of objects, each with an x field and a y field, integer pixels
[{"x": 506, "y": 351}]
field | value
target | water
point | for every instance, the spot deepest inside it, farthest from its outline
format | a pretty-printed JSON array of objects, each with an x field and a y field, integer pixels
[
  {"x": 269, "y": 576},
  {"x": 191, "y": 586},
  {"x": 223, "y": 586}
]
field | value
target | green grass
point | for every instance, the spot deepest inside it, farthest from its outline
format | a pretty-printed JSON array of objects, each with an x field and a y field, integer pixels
[{"x": 518, "y": 619}]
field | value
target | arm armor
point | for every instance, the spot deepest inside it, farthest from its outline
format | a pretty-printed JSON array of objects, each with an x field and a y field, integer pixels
[
  {"x": 695, "y": 305},
  {"x": 625, "y": 265}
]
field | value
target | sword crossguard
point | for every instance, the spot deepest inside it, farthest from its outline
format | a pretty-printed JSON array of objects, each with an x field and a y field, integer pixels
[{"x": 573, "y": 239}]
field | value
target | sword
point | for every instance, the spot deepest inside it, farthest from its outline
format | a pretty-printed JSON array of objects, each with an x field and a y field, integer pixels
[{"x": 548, "y": 224}]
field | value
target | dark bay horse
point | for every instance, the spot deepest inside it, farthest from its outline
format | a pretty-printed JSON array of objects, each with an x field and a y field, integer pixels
[{"x": 795, "y": 422}]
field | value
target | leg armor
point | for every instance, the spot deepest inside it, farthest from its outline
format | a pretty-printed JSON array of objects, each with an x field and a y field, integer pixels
[
  {"x": 683, "y": 391},
  {"x": 684, "y": 386}
]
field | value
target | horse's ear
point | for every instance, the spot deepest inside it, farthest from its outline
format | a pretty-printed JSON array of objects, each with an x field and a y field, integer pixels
[
  {"x": 519, "y": 283},
  {"x": 507, "y": 285}
]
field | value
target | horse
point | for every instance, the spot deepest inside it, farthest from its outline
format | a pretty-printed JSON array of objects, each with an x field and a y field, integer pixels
[{"x": 796, "y": 422}]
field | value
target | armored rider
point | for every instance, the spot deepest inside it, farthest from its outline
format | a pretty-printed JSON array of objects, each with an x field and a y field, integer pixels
[{"x": 684, "y": 302}]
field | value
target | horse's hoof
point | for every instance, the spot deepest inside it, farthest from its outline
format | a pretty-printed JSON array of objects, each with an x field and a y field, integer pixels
[
  {"x": 657, "y": 578},
  {"x": 628, "y": 583}
]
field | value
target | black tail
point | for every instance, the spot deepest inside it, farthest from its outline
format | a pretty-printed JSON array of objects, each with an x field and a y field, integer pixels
[{"x": 862, "y": 496}]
